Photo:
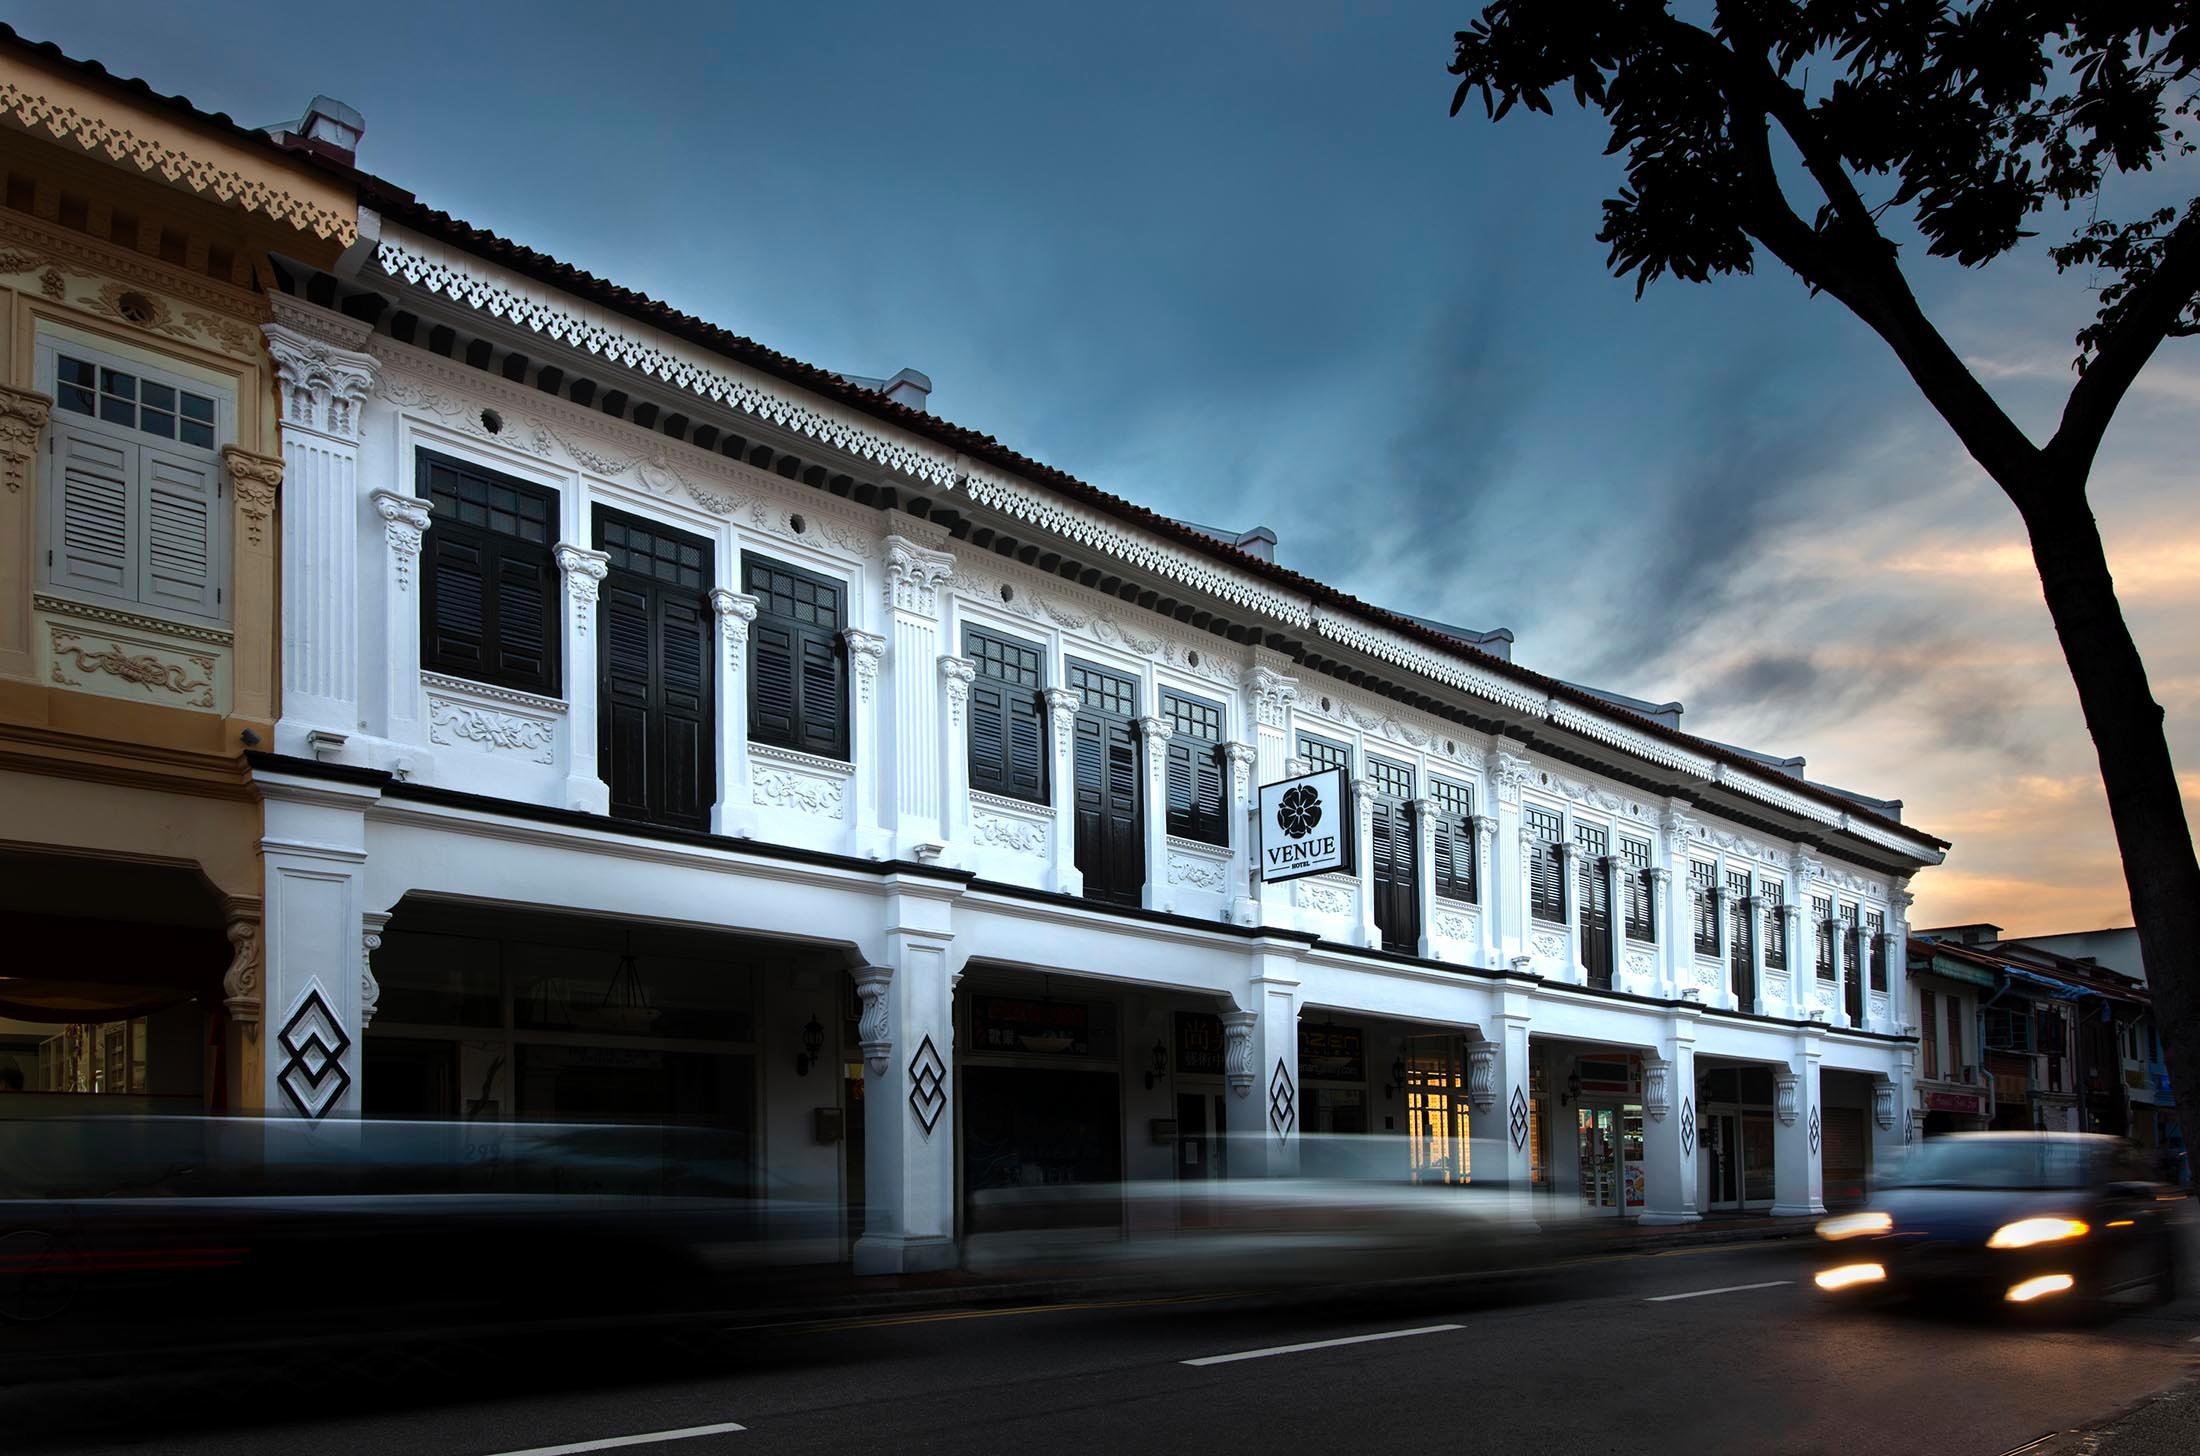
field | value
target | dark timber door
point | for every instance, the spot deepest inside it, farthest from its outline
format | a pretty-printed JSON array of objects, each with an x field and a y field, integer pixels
[
  {"x": 1111, "y": 844},
  {"x": 653, "y": 657},
  {"x": 1592, "y": 844},
  {"x": 1740, "y": 927},
  {"x": 1391, "y": 847},
  {"x": 1852, "y": 986}
]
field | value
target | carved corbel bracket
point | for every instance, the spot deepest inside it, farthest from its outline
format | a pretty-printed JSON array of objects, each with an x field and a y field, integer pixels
[{"x": 23, "y": 414}]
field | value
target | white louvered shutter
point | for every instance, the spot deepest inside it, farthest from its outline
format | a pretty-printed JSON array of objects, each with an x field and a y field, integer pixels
[
  {"x": 180, "y": 567},
  {"x": 95, "y": 526}
]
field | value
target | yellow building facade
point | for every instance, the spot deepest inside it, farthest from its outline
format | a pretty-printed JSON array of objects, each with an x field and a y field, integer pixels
[{"x": 140, "y": 498}]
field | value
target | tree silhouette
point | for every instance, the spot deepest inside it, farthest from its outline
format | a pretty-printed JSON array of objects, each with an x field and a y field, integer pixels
[{"x": 1797, "y": 126}]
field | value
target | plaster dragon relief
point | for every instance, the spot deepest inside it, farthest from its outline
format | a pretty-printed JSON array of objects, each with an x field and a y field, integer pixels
[
  {"x": 455, "y": 723},
  {"x": 188, "y": 676},
  {"x": 1323, "y": 896},
  {"x": 1024, "y": 836}
]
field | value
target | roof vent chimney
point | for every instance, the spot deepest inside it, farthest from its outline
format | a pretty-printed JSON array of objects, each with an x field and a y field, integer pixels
[
  {"x": 329, "y": 129},
  {"x": 909, "y": 387}
]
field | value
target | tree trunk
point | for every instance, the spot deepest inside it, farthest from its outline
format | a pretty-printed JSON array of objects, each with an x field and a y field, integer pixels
[{"x": 2143, "y": 799}]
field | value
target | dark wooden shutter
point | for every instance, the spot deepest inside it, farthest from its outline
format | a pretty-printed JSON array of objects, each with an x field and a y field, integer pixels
[
  {"x": 524, "y": 620},
  {"x": 687, "y": 778},
  {"x": 626, "y": 627},
  {"x": 1596, "y": 919},
  {"x": 1391, "y": 846},
  {"x": 772, "y": 683},
  {"x": 1024, "y": 720},
  {"x": 1211, "y": 823},
  {"x": 988, "y": 736},
  {"x": 1183, "y": 790},
  {"x": 456, "y": 604},
  {"x": 824, "y": 696}
]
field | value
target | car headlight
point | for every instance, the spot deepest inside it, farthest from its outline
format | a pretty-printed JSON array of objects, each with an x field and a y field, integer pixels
[
  {"x": 2026, "y": 1232},
  {"x": 1854, "y": 1225}
]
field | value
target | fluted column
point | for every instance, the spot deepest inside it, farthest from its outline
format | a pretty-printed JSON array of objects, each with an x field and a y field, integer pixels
[
  {"x": 23, "y": 417},
  {"x": 1802, "y": 983},
  {"x": 1274, "y": 694},
  {"x": 951, "y": 799},
  {"x": 404, "y": 520},
  {"x": 922, "y": 813},
  {"x": 323, "y": 379},
  {"x": 1485, "y": 884},
  {"x": 1661, "y": 924},
  {"x": 584, "y": 571},
  {"x": 1154, "y": 735},
  {"x": 1507, "y": 867},
  {"x": 734, "y": 812},
  {"x": 1363, "y": 820}
]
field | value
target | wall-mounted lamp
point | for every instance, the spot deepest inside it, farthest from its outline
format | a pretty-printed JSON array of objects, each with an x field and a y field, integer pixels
[
  {"x": 813, "y": 1042},
  {"x": 1397, "y": 1078},
  {"x": 1159, "y": 1066},
  {"x": 1572, "y": 1093}
]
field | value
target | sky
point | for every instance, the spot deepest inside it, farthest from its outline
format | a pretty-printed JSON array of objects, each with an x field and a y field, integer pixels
[{"x": 1234, "y": 261}]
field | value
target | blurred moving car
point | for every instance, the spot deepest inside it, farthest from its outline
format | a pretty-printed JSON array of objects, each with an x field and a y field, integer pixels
[
  {"x": 1349, "y": 1213},
  {"x": 2013, "y": 1217},
  {"x": 122, "y": 1233}
]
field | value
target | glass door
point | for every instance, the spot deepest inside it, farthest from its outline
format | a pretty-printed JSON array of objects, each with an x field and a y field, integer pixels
[{"x": 1594, "y": 1126}]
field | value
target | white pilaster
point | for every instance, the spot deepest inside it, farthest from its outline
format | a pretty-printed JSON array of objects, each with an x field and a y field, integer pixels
[
  {"x": 1424, "y": 870},
  {"x": 950, "y": 801},
  {"x": 1661, "y": 922},
  {"x": 923, "y": 806},
  {"x": 404, "y": 519},
  {"x": 1244, "y": 761},
  {"x": 1498, "y": 1115},
  {"x": 1799, "y": 1133},
  {"x": 1062, "y": 706},
  {"x": 1274, "y": 693},
  {"x": 322, "y": 379},
  {"x": 906, "y": 1029},
  {"x": 584, "y": 571},
  {"x": 1363, "y": 819},
  {"x": 1273, "y": 1100},
  {"x": 734, "y": 813},
  {"x": 1485, "y": 885},
  {"x": 1507, "y": 867},
  {"x": 866, "y": 651},
  {"x": 314, "y": 986},
  {"x": 1573, "y": 868},
  {"x": 1671, "y": 1127},
  {"x": 1154, "y": 734}
]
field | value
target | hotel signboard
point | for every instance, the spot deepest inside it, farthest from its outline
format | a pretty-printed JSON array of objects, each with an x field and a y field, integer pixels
[{"x": 1305, "y": 827}]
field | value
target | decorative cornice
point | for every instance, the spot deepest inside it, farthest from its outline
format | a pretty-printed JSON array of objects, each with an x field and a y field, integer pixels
[
  {"x": 489, "y": 692},
  {"x": 1022, "y": 807},
  {"x": 838, "y": 768},
  {"x": 156, "y": 157},
  {"x": 115, "y": 617}
]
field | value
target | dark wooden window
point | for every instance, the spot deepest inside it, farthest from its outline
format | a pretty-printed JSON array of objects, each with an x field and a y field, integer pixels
[
  {"x": 1111, "y": 846},
  {"x": 1195, "y": 777},
  {"x": 1454, "y": 839},
  {"x": 1323, "y": 755},
  {"x": 489, "y": 590},
  {"x": 656, "y": 709},
  {"x": 1546, "y": 876},
  {"x": 1771, "y": 898},
  {"x": 1392, "y": 846},
  {"x": 798, "y": 663},
  {"x": 1642, "y": 911},
  {"x": 1592, "y": 843},
  {"x": 1705, "y": 879},
  {"x": 1821, "y": 914},
  {"x": 1928, "y": 1040},
  {"x": 1007, "y": 717},
  {"x": 1955, "y": 1032},
  {"x": 2007, "y": 1029},
  {"x": 1876, "y": 923},
  {"x": 1740, "y": 921}
]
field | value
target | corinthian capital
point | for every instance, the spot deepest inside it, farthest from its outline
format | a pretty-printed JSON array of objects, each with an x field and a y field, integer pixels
[
  {"x": 320, "y": 366},
  {"x": 915, "y": 574}
]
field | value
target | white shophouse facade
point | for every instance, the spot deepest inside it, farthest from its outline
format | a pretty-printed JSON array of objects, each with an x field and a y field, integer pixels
[{"x": 459, "y": 919}]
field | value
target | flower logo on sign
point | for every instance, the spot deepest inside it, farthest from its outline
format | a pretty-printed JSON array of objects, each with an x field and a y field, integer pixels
[{"x": 1299, "y": 811}]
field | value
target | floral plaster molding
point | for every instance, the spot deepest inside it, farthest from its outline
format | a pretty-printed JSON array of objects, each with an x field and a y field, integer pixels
[
  {"x": 23, "y": 413},
  {"x": 782, "y": 779},
  {"x": 177, "y": 676}
]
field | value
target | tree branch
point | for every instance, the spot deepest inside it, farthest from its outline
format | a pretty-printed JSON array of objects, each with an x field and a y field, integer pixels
[{"x": 2149, "y": 315}]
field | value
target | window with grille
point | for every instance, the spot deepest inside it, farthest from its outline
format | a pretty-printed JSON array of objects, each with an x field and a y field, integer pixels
[
  {"x": 1876, "y": 924},
  {"x": 1821, "y": 914},
  {"x": 1770, "y": 895},
  {"x": 1007, "y": 717},
  {"x": 798, "y": 663},
  {"x": 1642, "y": 914},
  {"x": 1705, "y": 880},
  {"x": 1103, "y": 691},
  {"x": 1105, "y": 776},
  {"x": 1454, "y": 839},
  {"x": 1322, "y": 755},
  {"x": 655, "y": 695},
  {"x": 134, "y": 488},
  {"x": 489, "y": 602},
  {"x": 1738, "y": 918},
  {"x": 1196, "y": 769},
  {"x": 1546, "y": 876}
]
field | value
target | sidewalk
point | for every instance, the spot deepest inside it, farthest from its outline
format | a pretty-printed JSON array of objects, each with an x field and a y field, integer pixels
[
  {"x": 2164, "y": 1424},
  {"x": 810, "y": 1296}
]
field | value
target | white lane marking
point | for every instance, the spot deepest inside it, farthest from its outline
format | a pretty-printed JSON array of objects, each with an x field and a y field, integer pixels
[
  {"x": 611, "y": 1443},
  {"x": 1726, "y": 1289},
  {"x": 1318, "y": 1345}
]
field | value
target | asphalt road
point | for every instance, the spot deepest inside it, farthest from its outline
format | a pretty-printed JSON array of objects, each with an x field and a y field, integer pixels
[{"x": 1699, "y": 1351}]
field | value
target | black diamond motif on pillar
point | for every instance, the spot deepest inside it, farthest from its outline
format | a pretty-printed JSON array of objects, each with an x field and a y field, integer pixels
[
  {"x": 1519, "y": 1121},
  {"x": 927, "y": 1086},
  {"x": 1814, "y": 1132},
  {"x": 1283, "y": 1107},
  {"x": 312, "y": 1075},
  {"x": 1688, "y": 1127}
]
